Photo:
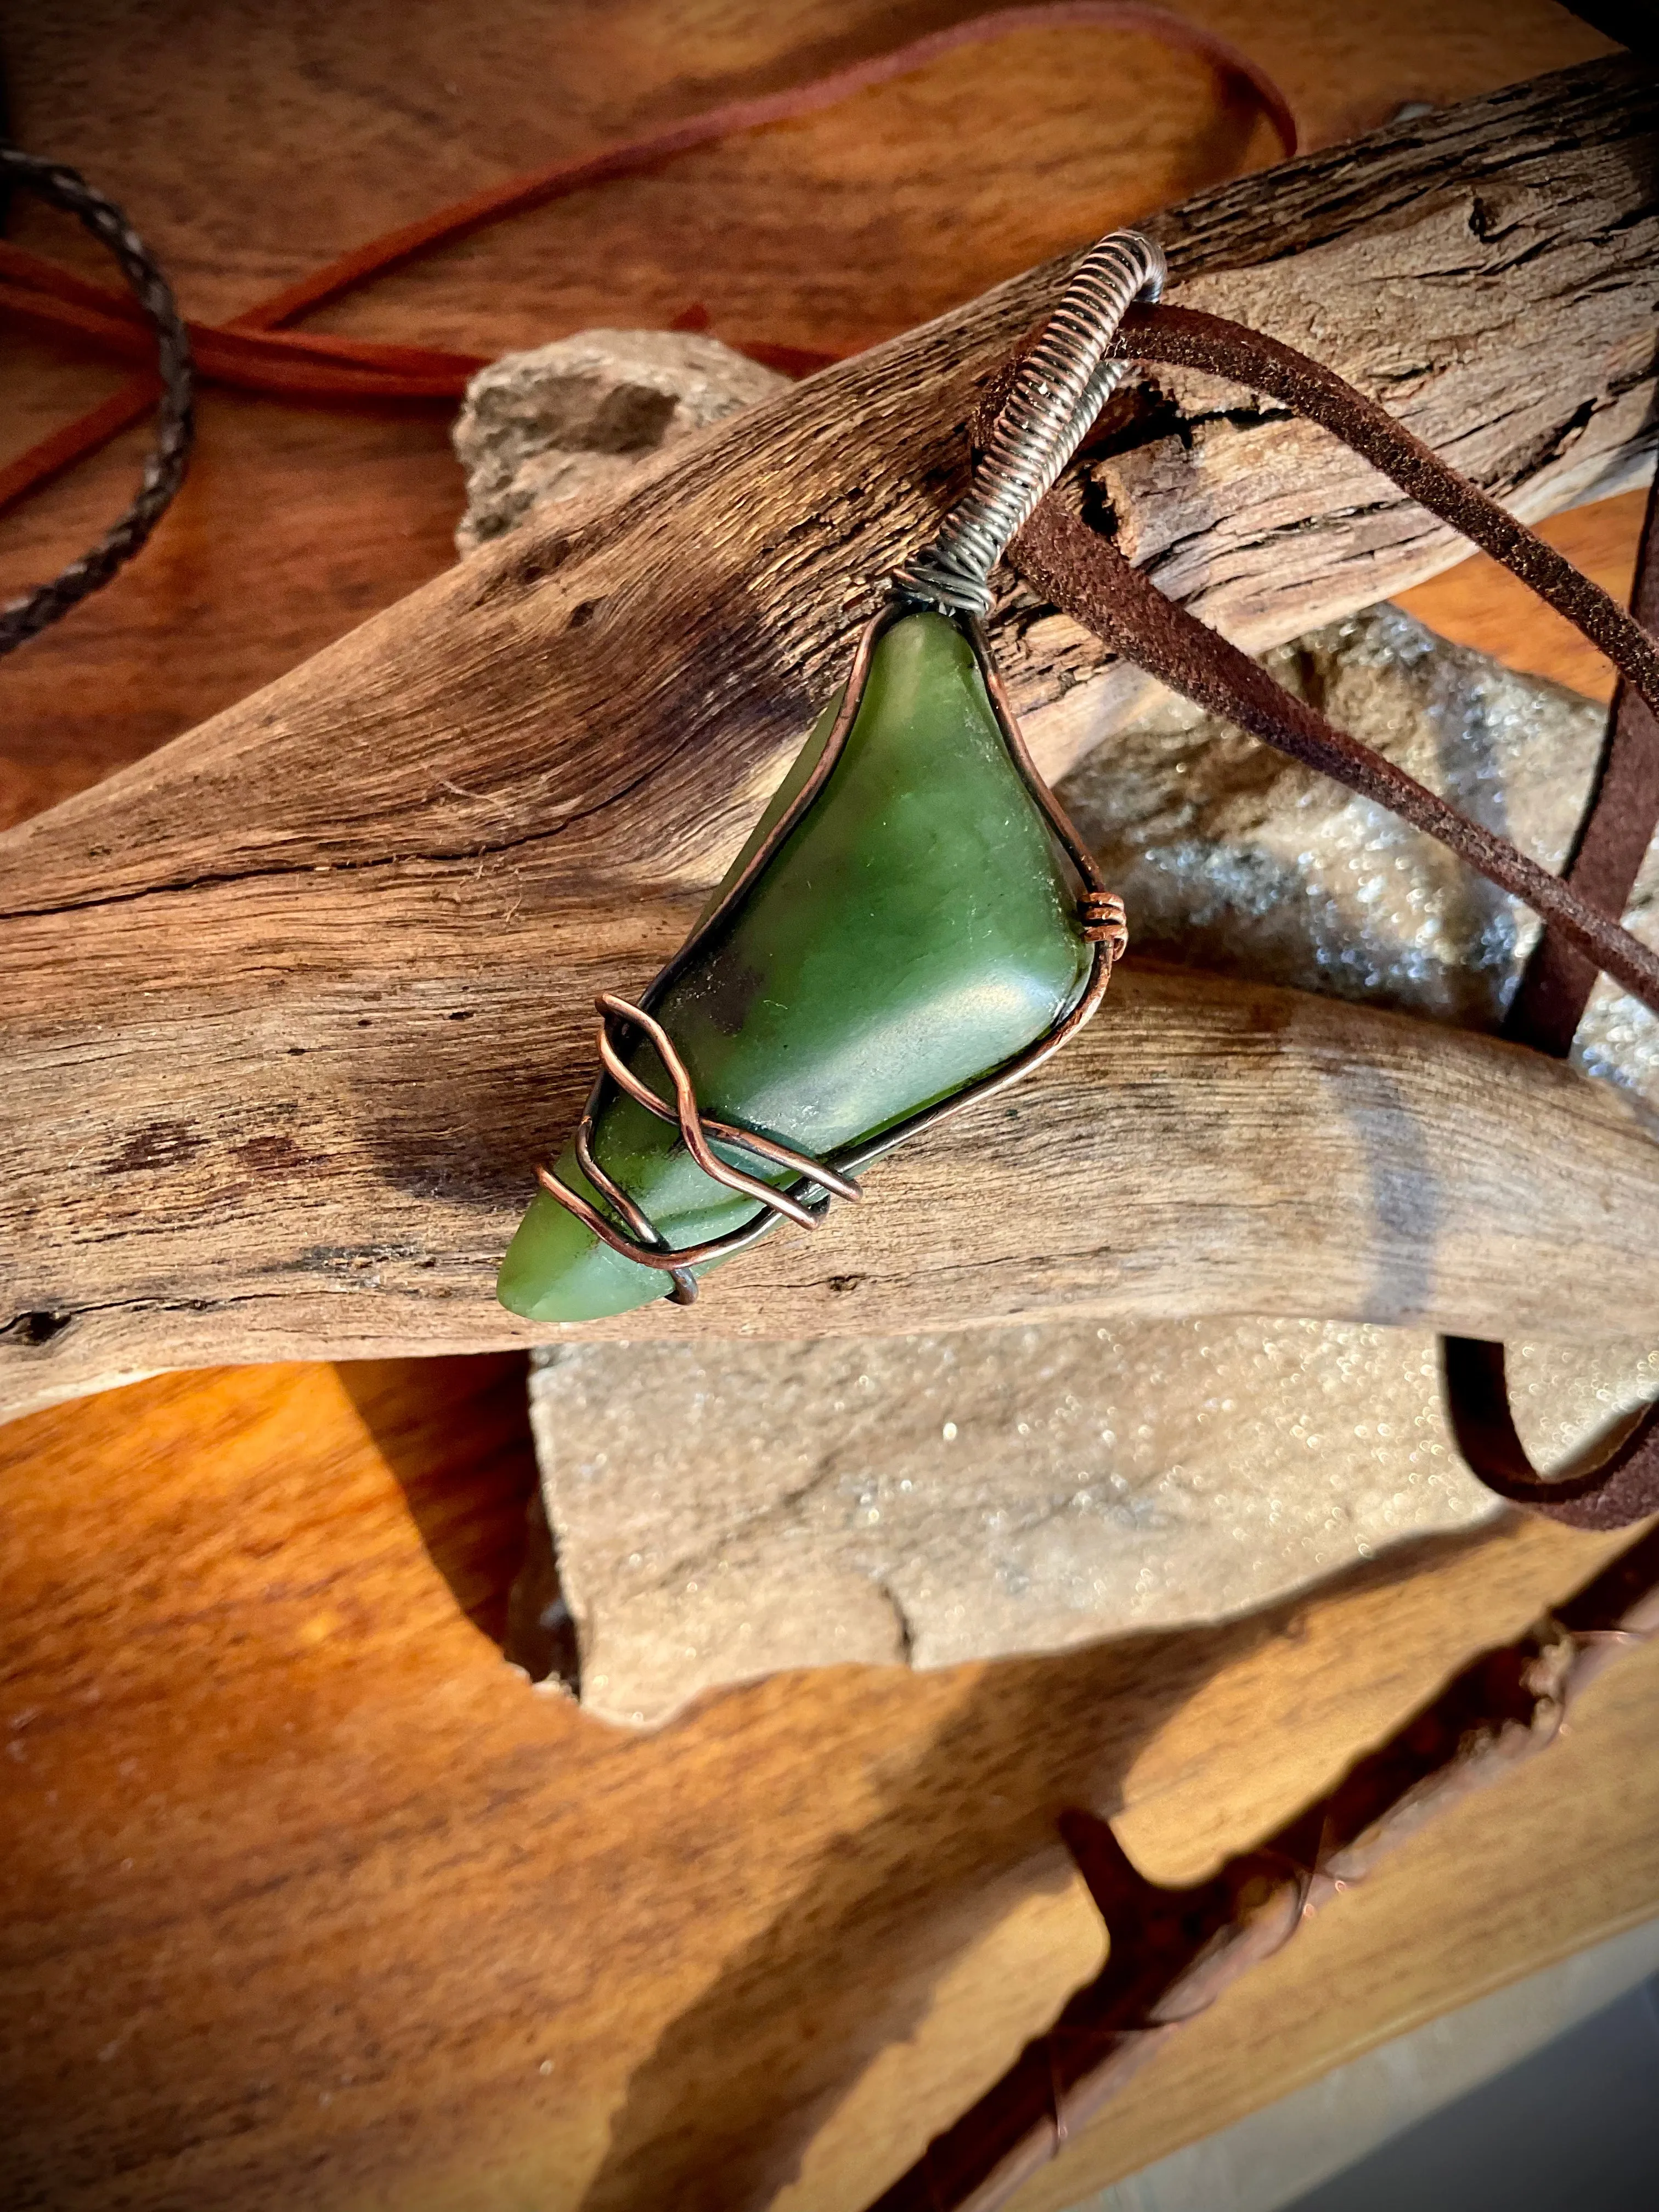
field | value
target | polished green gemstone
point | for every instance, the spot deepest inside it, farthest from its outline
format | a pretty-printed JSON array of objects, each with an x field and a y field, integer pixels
[{"x": 915, "y": 930}]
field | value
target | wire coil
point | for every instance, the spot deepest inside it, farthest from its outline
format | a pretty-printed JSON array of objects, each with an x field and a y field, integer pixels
[
  {"x": 1062, "y": 385},
  {"x": 700, "y": 1132}
]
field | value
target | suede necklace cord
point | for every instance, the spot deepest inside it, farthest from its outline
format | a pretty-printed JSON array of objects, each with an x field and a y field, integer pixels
[
  {"x": 1085, "y": 574},
  {"x": 1614, "y": 832},
  {"x": 1081, "y": 571}
]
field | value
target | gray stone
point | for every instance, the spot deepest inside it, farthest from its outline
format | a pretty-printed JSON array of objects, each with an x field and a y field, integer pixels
[
  {"x": 581, "y": 415},
  {"x": 721, "y": 1511},
  {"x": 1233, "y": 858}
]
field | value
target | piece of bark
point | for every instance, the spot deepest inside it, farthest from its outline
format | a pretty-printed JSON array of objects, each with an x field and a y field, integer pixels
[{"x": 294, "y": 1004}]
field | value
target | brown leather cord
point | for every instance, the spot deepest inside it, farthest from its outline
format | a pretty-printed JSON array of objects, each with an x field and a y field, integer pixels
[
  {"x": 1610, "y": 843},
  {"x": 1085, "y": 574},
  {"x": 1184, "y": 338},
  {"x": 252, "y": 352},
  {"x": 1616, "y": 1489},
  {"x": 1620, "y": 819},
  {"x": 1089, "y": 578}
]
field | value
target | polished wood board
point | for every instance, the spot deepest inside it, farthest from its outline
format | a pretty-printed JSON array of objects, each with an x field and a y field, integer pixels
[{"x": 305, "y": 1888}]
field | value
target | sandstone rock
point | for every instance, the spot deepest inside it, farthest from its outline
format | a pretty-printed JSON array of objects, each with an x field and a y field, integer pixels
[
  {"x": 581, "y": 413},
  {"x": 723, "y": 1512}
]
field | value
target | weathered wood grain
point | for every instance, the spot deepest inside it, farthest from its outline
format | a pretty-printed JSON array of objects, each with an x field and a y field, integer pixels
[
  {"x": 1205, "y": 1147},
  {"x": 294, "y": 1003},
  {"x": 252, "y": 147}
]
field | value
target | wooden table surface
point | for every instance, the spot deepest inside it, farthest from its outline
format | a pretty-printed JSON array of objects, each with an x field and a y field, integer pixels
[{"x": 309, "y": 1898}]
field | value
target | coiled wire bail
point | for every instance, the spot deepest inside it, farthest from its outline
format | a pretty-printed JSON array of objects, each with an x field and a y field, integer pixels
[{"x": 1062, "y": 386}]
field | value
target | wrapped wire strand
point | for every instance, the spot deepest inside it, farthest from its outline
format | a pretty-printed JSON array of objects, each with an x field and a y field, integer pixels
[
  {"x": 697, "y": 1129},
  {"x": 700, "y": 1132},
  {"x": 1062, "y": 386}
]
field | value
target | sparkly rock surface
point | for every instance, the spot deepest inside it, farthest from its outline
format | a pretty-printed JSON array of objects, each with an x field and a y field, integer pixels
[
  {"x": 725, "y": 1510},
  {"x": 580, "y": 416},
  {"x": 1231, "y": 858}
]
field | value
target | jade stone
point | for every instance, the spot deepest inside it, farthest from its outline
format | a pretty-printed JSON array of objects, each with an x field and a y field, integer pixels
[{"x": 915, "y": 930}]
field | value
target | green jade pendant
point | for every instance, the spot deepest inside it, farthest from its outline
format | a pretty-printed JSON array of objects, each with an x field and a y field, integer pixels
[
  {"x": 912, "y": 923},
  {"x": 914, "y": 932}
]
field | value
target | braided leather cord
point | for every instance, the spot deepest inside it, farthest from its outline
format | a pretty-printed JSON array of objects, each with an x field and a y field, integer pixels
[{"x": 164, "y": 471}]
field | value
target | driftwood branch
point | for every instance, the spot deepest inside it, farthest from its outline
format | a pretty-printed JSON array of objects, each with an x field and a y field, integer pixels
[{"x": 294, "y": 1005}]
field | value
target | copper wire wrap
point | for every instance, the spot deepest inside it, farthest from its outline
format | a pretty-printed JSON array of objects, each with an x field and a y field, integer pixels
[
  {"x": 699, "y": 1132},
  {"x": 1059, "y": 388},
  {"x": 1103, "y": 920},
  {"x": 1058, "y": 394}
]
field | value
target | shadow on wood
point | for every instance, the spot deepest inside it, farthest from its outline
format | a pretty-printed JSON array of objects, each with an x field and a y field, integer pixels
[
  {"x": 979, "y": 1809},
  {"x": 456, "y": 1434}
]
